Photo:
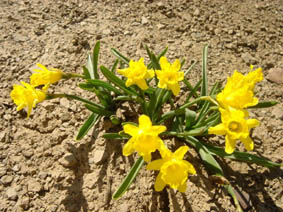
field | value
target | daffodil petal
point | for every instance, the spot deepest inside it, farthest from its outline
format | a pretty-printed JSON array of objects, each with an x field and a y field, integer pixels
[
  {"x": 155, "y": 165},
  {"x": 144, "y": 121},
  {"x": 217, "y": 130},
  {"x": 158, "y": 129},
  {"x": 175, "y": 88},
  {"x": 131, "y": 129},
  {"x": 183, "y": 187},
  {"x": 229, "y": 144},
  {"x": 180, "y": 152},
  {"x": 190, "y": 167},
  {"x": 147, "y": 157},
  {"x": 142, "y": 84},
  {"x": 248, "y": 143},
  {"x": 128, "y": 148},
  {"x": 253, "y": 123},
  {"x": 159, "y": 183}
]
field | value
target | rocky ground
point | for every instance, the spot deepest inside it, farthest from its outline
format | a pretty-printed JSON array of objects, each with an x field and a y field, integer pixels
[{"x": 43, "y": 168}]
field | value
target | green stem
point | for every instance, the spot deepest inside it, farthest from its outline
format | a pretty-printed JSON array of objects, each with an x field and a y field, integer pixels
[{"x": 72, "y": 75}]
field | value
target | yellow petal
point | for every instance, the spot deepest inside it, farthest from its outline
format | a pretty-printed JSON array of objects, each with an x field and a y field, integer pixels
[
  {"x": 180, "y": 76},
  {"x": 229, "y": 144},
  {"x": 183, "y": 187},
  {"x": 248, "y": 143},
  {"x": 128, "y": 148},
  {"x": 191, "y": 168},
  {"x": 131, "y": 129},
  {"x": 180, "y": 152},
  {"x": 163, "y": 63},
  {"x": 176, "y": 66},
  {"x": 142, "y": 84},
  {"x": 159, "y": 183},
  {"x": 150, "y": 73},
  {"x": 175, "y": 88},
  {"x": 129, "y": 82},
  {"x": 144, "y": 122},
  {"x": 155, "y": 165},
  {"x": 217, "y": 130},
  {"x": 253, "y": 123},
  {"x": 147, "y": 157},
  {"x": 158, "y": 129}
]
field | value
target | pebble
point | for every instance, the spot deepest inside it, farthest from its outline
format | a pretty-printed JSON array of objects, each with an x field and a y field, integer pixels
[
  {"x": 99, "y": 156},
  {"x": 277, "y": 113},
  {"x": 197, "y": 12},
  {"x": 68, "y": 160},
  {"x": 144, "y": 20},
  {"x": 275, "y": 75},
  {"x": 12, "y": 193},
  {"x": 248, "y": 59},
  {"x": 160, "y": 26},
  {"x": 28, "y": 153},
  {"x": 7, "y": 179},
  {"x": 24, "y": 202},
  {"x": 34, "y": 186},
  {"x": 64, "y": 102}
]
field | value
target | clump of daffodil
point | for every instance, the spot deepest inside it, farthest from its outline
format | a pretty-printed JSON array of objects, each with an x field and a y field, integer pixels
[
  {"x": 137, "y": 73},
  {"x": 44, "y": 76},
  {"x": 235, "y": 127},
  {"x": 145, "y": 139},
  {"x": 26, "y": 95},
  {"x": 239, "y": 90},
  {"x": 170, "y": 75},
  {"x": 173, "y": 169}
]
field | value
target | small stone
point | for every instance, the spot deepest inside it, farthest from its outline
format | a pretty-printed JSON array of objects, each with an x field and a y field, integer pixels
[
  {"x": 275, "y": 75},
  {"x": 7, "y": 179},
  {"x": 24, "y": 202},
  {"x": 12, "y": 194},
  {"x": 144, "y": 20},
  {"x": 16, "y": 168},
  {"x": 66, "y": 117},
  {"x": 123, "y": 208},
  {"x": 277, "y": 113},
  {"x": 160, "y": 26},
  {"x": 28, "y": 153},
  {"x": 248, "y": 59},
  {"x": 65, "y": 102},
  {"x": 197, "y": 12},
  {"x": 34, "y": 186},
  {"x": 106, "y": 31},
  {"x": 68, "y": 160},
  {"x": 99, "y": 156}
]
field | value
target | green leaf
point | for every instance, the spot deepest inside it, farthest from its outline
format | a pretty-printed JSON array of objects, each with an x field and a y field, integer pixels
[
  {"x": 116, "y": 136},
  {"x": 95, "y": 59},
  {"x": 86, "y": 86},
  {"x": 89, "y": 66},
  {"x": 120, "y": 56},
  {"x": 154, "y": 61},
  {"x": 204, "y": 90},
  {"x": 206, "y": 156},
  {"x": 190, "y": 116},
  {"x": 190, "y": 68},
  {"x": 194, "y": 91},
  {"x": 129, "y": 179},
  {"x": 99, "y": 111},
  {"x": 116, "y": 80},
  {"x": 231, "y": 191},
  {"x": 83, "y": 100},
  {"x": 89, "y": 123},
  {"x": 106, "y": 85},
  {"x": 86, "y": 72},
  {"x": 264, "y": 104},
  {"x": 242, "y": 156},
  {"x": 114, "y": 65}
]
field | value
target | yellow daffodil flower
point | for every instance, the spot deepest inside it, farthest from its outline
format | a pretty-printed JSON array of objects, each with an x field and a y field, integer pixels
[
  {"x": 137, "y": 73},
  {"x": 169, "y": 75},
  {"x": 239, "y": 90},
  {"x": 27, "y": 96},
  {"x": 145, "y": 139},
  {"x": 235, "y": 127},
  {"x": 173, "y": 169},
  {"x": 43, "y": 76}
]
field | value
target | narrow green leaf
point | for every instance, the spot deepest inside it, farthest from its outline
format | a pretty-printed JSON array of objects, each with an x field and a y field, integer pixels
[
  {"x": 204, "y": 90},
  {"x": 82, "y": 100},
  {"x": 205, "y": 155},
  {"x": 86, "y": 72},
  {"x": 115, "y": 136},
  {"x": 194, "y": 91},
  {"x": 95, "y": 59},
  {"x": 190, "y": 68},
  {"x": 99, "y": 111},
  {"x": 264, "y": 104},
  {"x": 89, "y": 66},
  {"x": 89, "y": 123},
  {"x": 129, "y": 179},
  {"x": 231, "y": 191},
  {"x": 154, "y": 61},
  {"x": 120, "y": 56},
  {"x": 114, "y": 65},
  {"x": 106, "y": 85},
  {"x": 86, "y": 86},
  {"x": 116, "y": 80},
  {"x": 190, "y": 116}
]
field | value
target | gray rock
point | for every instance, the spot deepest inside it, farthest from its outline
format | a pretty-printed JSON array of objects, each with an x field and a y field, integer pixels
[
  {"x": 12, "y": 193},
  {"x": 275, "y": 75},
  {"x": 144, "y": 20},
  {"x": 28, "y": 153},
  {"x": 68, "y": 160},
  {"x": 99, "y": 156},
  {"x": 24, "y": 202},
  {"x": 7, "y": 179}
]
